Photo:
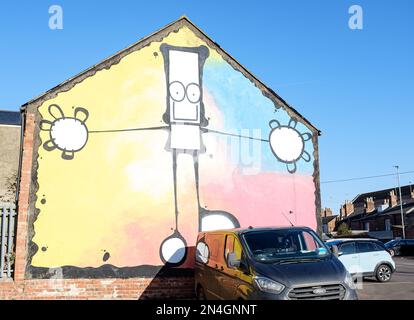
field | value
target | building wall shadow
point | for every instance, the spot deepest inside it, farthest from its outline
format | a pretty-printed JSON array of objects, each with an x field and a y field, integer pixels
[{"x": 173, "y": 283}]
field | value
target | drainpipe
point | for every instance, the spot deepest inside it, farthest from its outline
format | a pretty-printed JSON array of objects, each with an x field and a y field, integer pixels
[{"x": 19, "y": 171}]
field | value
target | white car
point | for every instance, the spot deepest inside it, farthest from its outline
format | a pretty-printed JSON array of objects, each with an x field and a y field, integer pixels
[{"x": 366, "y": 257}]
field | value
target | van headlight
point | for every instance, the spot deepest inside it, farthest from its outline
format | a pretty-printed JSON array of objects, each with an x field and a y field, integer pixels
[{"x": 267, "y": 285}]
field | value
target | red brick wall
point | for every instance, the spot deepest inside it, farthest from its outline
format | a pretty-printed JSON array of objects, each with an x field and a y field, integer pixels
[
  {"x": 135, "y": 288},
  {"x": 21, "y": 288},
  {"x": 23, "y": 204}
]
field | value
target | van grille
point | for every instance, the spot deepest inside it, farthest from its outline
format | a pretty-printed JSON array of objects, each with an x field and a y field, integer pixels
[{"x": 326, "y": 292}]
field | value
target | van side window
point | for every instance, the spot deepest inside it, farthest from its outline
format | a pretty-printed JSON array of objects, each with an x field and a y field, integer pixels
[
  {"x": 232, "y": 245},
  {"x": 238, "y": 249},
  {"x": 309, "y": 242},
  {"x": 229, "y": 245}
]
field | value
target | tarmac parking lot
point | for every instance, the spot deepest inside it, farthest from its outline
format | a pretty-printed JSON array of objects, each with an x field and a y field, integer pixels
[{"x": 400, "y": 287}]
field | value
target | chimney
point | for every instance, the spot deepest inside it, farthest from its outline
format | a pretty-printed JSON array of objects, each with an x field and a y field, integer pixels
[
  {"x": 392, "y": 198},
  {"x": 327, "y": 212},
  {"x": 347, "y": 209},
  {"x": 369, "y": 205}
]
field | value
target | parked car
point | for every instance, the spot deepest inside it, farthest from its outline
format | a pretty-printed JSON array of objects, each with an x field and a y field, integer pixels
[
  {"x": 400, "y": 247},
  {"x": 269, "y": 263},
  {"x": 367, "y": 257}
]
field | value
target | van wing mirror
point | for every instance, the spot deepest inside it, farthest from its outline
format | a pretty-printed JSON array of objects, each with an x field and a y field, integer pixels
[{"x": 232, "y": 261}]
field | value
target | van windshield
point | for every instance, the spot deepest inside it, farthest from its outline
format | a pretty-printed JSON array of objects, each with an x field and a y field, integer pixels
[{"x": 283, "y": 245}]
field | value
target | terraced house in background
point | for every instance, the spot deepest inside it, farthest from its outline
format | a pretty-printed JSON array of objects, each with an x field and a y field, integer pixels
[
  {"x": 125, "y": 163},
  {"x": 378, "y": 213}
]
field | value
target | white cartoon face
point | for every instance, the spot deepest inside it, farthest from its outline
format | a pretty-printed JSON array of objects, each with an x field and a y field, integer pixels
[
  {"x": 68, "y": 134},
  {"x": 288, "y": 144},
  {"x": 184, "y": 88}
]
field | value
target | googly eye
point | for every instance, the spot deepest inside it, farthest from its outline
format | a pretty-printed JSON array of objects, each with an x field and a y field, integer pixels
[
  {"x": 193, "y": 92},
  {"x": 177, "y": 91}
]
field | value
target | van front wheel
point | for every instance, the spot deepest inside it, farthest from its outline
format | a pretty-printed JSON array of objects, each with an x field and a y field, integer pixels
[{"x": 383, "y": 273}]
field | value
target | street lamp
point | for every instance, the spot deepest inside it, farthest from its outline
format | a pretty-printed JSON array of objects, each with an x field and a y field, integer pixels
[{"x": 401, "y": 206}]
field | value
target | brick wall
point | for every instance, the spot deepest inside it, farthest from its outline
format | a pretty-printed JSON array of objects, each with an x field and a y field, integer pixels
[
  {"x": 75, "y": 289},
  {"x": 21, "y": 288}
]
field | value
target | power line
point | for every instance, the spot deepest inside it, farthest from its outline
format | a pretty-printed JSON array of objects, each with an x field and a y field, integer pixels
[
  {"x": 236, "y": 135},
  {"x": 367, "y": 177},
  {"x": 128, "y": 129}
]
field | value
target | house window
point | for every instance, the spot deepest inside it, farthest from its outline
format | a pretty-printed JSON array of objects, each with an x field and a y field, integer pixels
[
  {"x": 387, "y": 225},
  {"x": 367, "y": 226}
]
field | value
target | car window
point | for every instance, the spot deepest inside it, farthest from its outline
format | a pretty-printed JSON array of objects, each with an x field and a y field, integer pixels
[
  {"x": 232, "y": 245},
  {"x": 365, "y": 246},
  {"x": 285, "y": 244},
  {"x": 392, "y": 243},
  {"x": 347, "y": 248},
  {"x": 378, "y": 247},
  {"x": 310, "y": 241},
  {"x": 229, "y": 245}
]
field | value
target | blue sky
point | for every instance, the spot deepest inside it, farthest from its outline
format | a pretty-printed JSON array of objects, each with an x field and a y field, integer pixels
[{"x": 355, "y": 85}]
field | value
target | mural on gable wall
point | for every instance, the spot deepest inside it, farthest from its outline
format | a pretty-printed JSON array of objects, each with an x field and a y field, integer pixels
[{"x": 138, "y": 158}]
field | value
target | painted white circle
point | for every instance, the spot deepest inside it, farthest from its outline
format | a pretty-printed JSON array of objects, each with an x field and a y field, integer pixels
[
  {"x": 202, "y": 252},
  {"x": 69, "y": 134},
  {"x": 177, "y": 91},
  {"x": 286, "y": 143},
  {"x": 193, "y": 92},
  {"x": 173, "y": 250},
  {"x": 216, "y": 222}
]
